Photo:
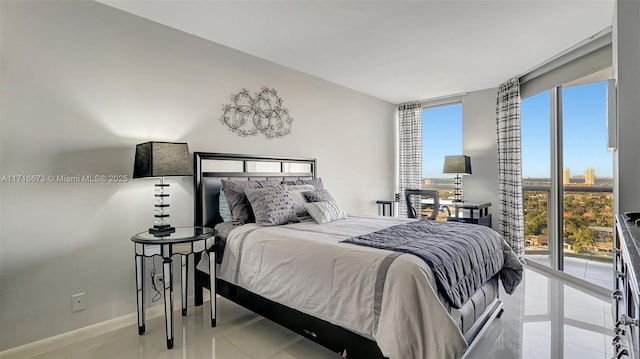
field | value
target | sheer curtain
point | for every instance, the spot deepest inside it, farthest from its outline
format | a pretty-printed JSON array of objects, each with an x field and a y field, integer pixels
[
  {"x": 410, "y": 150},
  {"x": 510, "y": 206}
]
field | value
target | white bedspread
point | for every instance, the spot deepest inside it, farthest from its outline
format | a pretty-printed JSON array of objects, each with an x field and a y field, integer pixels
[{"x": 303, "y": 266}]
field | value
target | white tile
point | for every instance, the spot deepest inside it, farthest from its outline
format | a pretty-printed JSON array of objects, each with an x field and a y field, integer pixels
[
  {"x": 535, "y": 306},
  {"x": 535, "y": 346},
  {"x": 262, "y": 339},
  {"x": 305, "y": 349},
  {"x": 542, "y": 328},
  {"x": 62, "y": 353},
  {"x": 214, "y": 348},
  {"x": 536, "y": 285},
  {"x": 588, "y": 316},
  {"x": 581, "y": 299},
  {"x": 585, "y": 338},
  {"x": 572, "y": 351}
]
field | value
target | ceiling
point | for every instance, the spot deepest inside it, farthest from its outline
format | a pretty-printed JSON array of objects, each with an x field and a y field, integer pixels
[{"x": 397, "y": 51}]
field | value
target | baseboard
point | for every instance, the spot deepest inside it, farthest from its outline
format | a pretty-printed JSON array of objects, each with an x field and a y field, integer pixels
[{"x": 74, "y": 336}]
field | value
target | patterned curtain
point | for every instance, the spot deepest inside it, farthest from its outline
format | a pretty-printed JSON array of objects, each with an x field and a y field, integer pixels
[
  {"x": 410, "y": 150},
  {"x": 510, "y": 206}
]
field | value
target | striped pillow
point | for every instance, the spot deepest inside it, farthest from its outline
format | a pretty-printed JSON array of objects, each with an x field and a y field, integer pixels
[
  {"x": 272, "y": 206},
  {"x": 325, "y": 212}
]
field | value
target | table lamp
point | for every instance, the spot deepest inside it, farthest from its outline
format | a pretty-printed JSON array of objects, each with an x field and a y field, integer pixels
[
  {"x": 459, "y": 164},
  {"x": 162, "y": 159}
]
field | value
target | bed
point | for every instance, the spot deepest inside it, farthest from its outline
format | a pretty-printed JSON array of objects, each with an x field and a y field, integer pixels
[{"x": 372, "y": 301}]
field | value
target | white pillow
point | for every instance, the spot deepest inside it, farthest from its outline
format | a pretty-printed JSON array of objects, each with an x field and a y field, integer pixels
[{"x": 325, "y": 212}]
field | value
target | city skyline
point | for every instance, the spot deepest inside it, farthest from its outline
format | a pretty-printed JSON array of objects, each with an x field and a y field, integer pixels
[{"x": 588, "y": 172}]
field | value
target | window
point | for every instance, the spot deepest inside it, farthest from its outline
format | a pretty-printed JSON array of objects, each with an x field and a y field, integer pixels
[
  {"x": 566, "y": 168},
  {"x": 441, "y": 136},
  {"x": 574, "y": 233}
]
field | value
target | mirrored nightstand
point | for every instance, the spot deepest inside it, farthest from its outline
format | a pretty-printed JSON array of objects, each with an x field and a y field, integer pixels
[{"x": 184, "y": 241}]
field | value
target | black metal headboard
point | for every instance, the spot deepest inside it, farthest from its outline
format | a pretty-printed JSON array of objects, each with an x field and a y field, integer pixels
[{"x": 210, "y": 168}]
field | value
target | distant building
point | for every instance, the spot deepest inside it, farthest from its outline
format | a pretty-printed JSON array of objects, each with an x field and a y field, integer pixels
[
  {"x": 540, "y": 241},
  {"x": 589, "y": 177},
  {"x": 604, "y": 248},
  {"x": 603, "y": 233},
  {"x": 427, "y": 181}
]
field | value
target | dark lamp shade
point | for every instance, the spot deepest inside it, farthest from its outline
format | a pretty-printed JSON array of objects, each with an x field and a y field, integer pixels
[
  {"x": 162, "y": 159},
  {"x": 457, "y": 164}
]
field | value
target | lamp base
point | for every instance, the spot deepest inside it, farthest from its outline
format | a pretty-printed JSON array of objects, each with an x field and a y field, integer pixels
[
  {"x": 162, "y": 231},
  {"x": 457, "y": 189}
]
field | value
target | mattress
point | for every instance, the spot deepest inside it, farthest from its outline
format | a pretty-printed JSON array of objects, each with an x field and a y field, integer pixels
[{"x": 388, "y": 296}]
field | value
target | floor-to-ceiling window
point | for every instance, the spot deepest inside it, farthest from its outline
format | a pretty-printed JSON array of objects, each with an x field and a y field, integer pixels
[{"x": 564, "y": 154}]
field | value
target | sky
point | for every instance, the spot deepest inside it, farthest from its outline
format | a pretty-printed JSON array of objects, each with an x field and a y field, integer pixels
[
  {"x": 584, "y": 138},
  {"x": 441, "y": 136}
]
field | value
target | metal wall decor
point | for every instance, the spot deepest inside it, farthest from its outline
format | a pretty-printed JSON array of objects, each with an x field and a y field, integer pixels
[{"x": 262, "y": 113}]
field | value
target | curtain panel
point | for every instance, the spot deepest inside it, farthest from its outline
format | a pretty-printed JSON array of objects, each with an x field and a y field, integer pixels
[
  {"x": 510, "y": 204},
  {"x": 410, "y": 151}
]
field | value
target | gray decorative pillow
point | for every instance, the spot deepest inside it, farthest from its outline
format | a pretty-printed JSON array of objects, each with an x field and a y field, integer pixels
[
  {"x": 296, "y": 193},
  {"x": 320, "y": 195},
  {"x": 241, "y": 212},
  {"x": 272, "y": 206},
  {"x": 325, "y": 212},
  {"x": 316, "y": 182}
]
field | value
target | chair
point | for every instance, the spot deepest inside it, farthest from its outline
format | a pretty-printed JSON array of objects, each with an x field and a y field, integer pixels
[{"x": 421, "y": 193}]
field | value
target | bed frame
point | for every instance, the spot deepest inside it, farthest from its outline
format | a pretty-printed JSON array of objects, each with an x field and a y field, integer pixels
[{"x": 211, "y": 168}]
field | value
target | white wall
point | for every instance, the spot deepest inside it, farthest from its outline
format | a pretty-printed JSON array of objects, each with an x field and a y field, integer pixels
[
  {"x": 82, "y": 83},
  {"x": 626, "y": 65},
  {"x": 479, "y": 141}
]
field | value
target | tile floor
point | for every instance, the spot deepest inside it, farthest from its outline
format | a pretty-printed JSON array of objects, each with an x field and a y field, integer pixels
[{"x": 543, "y": 319}]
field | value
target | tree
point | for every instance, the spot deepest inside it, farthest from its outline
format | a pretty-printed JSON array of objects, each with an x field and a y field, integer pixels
[
  {"x": 584, "y": 240},
  {"x": 534, "y": 224}
]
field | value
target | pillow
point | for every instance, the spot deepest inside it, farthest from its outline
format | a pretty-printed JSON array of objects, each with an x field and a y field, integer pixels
[
  {"x": 325, "y": 212},
  {"x": 241, "y": 212},
  {"x": 320, "y": 195},
  {"x": 272, "y": 206},
  {"x": 223, "y": 207},
  {"x": 296, "y": 193},
  {"x": 316, "y": 182}
]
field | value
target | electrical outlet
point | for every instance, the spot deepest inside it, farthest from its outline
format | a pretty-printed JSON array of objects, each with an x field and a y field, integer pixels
[
  {"x": 159, "y": 281},
  {"x": 78, "y": 302}
]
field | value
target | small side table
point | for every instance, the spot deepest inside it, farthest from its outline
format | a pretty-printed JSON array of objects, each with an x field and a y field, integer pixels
[
  {"x": 482, "y": 217},
  {"x": 184, "y": 241}
]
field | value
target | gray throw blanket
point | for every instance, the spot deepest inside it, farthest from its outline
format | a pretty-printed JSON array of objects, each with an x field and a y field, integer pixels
[{"x": 462, "y": 256}]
